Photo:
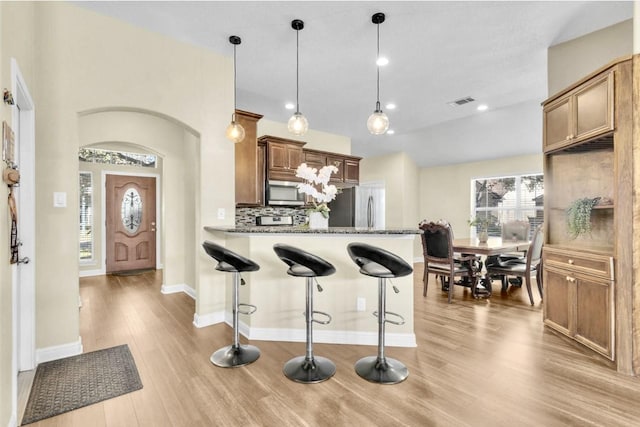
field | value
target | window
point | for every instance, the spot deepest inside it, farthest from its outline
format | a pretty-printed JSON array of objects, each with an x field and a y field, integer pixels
[
  {"x": 86, "y": 217},
  {"x": 508, "y": 198},
  {"x": 97, "y": 155}
]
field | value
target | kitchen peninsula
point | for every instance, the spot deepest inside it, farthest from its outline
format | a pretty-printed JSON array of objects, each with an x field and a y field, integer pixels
[{"x": 348, "y": 296}]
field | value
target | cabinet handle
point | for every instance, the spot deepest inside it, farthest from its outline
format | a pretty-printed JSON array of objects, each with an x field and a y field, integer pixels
[
  {"x": 571, "y": 279},
  {"x": 568, "y": 138},
  {"x": 570, "y": 261}
]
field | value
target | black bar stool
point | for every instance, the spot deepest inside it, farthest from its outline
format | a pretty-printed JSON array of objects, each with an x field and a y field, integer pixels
[
  {"x": 230, "y": 262},
  {"x": 307, "y": 368},
  {"x": 377, "y": 262}
]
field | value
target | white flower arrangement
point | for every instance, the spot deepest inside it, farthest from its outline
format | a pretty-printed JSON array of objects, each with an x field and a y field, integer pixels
[{"x": 314, "y": 179}]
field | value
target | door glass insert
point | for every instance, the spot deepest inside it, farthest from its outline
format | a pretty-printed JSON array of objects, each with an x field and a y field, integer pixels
[{"x": 131, "y": 211}]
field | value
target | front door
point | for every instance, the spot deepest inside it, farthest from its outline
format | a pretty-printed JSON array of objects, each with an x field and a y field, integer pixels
[{"x": 131, "y": 223}]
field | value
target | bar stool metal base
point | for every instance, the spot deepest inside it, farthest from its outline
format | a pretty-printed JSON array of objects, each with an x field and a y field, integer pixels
[
  {"x": 232, "y": 356},
  {"x": 385, "y": 371},
  {"x": 303, "y": 370}
]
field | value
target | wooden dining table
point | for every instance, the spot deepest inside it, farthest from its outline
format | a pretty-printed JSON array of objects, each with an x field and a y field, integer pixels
[{"x": 493, "y": 246}]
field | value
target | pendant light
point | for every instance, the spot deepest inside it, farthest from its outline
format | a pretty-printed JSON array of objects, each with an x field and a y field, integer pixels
[
  {"x": 378, "y": 122},
  {"x": 235, "y": 131},
  {"x": 298, "y": 124}
]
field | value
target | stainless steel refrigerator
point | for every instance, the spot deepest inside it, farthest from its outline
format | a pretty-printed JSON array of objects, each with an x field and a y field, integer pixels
[{"x": 361, "y": 207}]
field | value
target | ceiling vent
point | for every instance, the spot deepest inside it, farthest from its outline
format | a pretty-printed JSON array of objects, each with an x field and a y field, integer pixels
[{"x": 461, "y": 101}]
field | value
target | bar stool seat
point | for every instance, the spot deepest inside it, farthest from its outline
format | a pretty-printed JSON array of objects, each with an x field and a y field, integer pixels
[
  {"x": 380, "y": 263},
  {"x": 230, "y": 262},
  {"x": 307, "y": 368}
]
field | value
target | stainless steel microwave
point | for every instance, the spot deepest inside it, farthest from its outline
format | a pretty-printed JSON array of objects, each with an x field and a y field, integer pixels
[{"x": 284, "y": 193}]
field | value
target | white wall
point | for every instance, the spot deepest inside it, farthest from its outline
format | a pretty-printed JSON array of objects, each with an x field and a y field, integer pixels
[
  {"x": 97, "y": 64},
  {"x": 315, "y": 139},
  {"x": 176, "y": 148},
  {"x": 445, "y": 192},
  {"x": 570, "y": 61}
]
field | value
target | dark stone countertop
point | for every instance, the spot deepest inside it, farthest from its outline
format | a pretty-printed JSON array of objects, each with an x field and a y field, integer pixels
[{"x": 303, "y": 229}]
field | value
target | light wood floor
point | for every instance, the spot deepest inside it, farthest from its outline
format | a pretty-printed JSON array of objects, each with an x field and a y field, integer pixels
[{"x": 478, "y": 363}]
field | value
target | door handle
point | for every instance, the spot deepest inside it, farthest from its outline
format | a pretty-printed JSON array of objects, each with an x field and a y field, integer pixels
[{"x": 24, "y": 260}]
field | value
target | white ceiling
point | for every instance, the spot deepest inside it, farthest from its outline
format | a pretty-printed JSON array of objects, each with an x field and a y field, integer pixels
[{"x": 495, "y": 52}]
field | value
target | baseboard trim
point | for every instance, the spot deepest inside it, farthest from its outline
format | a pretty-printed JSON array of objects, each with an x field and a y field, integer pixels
[
  {"x": 201, "y": 321},
  {"x": 89, "y": 273},
  {"x": 300, "y": 335},
  {"x": 330, "y": 337},
  {"x": 59, "y": 351},
  {"x": 181, "y": 287}
]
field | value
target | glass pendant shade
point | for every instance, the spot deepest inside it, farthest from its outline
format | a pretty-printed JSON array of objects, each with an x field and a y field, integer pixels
[
  {"x": 235, "y": 131},
  {"x": 378, "y": 123},
  {"x": 298, "y": 124}
]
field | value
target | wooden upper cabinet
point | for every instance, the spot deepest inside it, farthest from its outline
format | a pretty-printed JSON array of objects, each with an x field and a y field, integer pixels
[
  {"x": 283, "y": 157},
  {"x": 337, "y": 161},
  {"x": 348, "y": 173},
  {"x": 352, "y": 171},
  {"x": 557, "y": 123},
  {"x": 315, "y": 159},
  {"x": 249, "y": 163},
  {"x": 581, "y": 114}
]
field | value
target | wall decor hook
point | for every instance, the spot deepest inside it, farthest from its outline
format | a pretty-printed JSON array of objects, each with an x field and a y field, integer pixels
[{"x": 8, "y": 97}]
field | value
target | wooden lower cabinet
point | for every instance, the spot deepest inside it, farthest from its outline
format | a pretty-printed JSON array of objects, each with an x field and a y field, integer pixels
[{"x": 581, "y": 307}]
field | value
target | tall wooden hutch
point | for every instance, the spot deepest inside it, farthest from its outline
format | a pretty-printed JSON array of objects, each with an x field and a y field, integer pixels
[{"x": 589, "y": 150}]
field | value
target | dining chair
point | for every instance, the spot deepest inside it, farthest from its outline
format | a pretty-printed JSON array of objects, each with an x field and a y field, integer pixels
[
  {"x": 532, "y": 266},
  {"x": 515, "y": 230},
  {"x": 439, "y": 258},
  {"x": 511, "y": 230}
]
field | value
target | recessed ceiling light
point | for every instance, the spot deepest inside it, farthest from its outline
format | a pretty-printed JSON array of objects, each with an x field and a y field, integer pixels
[
  {"x": 390, "y": 131},
  {"x": 482, "y": 107},
  {"x": 390, "y": 106},
  {"x": 289, "y": 106},
  {"x": 382, "y": 61}
]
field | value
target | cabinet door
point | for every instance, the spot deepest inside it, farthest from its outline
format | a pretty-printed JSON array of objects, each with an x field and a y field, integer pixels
[
  {"x": 352, "y": 171},
  {"x": 339, "y": 163},
  {"x": 594, "y": 314},
  {"x": 277, "y": 156},
  {"x": 315, "y": 160},
  {"x": 557, "y": 300},
  {"x": 557, "y": 124},
  {"x": 594, "y": 108},
  {"x": 261, "y": 176},
  {"x": 283, "y": 160},
  {"x": 249, "y": 163},
  {"x": 294, "y": 158}
]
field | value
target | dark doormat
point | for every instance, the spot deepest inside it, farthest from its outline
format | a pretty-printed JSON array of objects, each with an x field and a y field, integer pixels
[{"x": 66, "y": 384}]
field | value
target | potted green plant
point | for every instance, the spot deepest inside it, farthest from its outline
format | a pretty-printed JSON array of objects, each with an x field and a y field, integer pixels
[
  {"x": 482, "y": 226},
  {"x": 579, "y": 216}
]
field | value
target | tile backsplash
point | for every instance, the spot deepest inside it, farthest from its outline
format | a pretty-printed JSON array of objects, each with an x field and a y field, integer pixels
[{"x": 246, "y": 217}]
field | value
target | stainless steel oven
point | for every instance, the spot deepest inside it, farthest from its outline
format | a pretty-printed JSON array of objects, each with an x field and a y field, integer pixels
[{"x": 284, "y": 193}]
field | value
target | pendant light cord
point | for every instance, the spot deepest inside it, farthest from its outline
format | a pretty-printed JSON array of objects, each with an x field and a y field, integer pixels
[
  {"x": 235, "y": 89},
  {"x": 378, "y": 71},
  {"x": 297, "y": 70}
]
